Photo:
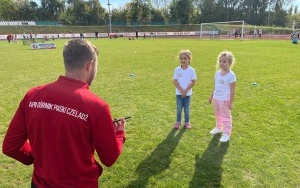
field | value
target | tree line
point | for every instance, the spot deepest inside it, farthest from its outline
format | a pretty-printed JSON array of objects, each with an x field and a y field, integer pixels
[{"x": 144, "y": 12}]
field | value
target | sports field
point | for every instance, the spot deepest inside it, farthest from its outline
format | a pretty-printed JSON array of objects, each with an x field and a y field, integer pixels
[{"x": 135, "y": 78}]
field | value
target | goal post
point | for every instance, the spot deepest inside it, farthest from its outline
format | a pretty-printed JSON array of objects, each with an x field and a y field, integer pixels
[{"x": 224, "y": 30}]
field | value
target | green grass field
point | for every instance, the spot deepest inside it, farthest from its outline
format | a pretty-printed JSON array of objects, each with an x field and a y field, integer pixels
[{"x": 264, "y": 148}]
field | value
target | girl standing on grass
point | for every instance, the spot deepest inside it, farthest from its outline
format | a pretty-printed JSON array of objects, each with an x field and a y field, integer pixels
[
  {"x": 184, "y": 79},
  {"x": 223, "y": 95}
]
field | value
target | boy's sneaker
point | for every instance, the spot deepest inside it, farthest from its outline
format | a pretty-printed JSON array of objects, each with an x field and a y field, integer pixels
[
  {"x": 225, "y": 138},
  {"x": 177, "y": 125},
  {"x": 215, "y": 131},
  {"x": 188, "y": 125}
]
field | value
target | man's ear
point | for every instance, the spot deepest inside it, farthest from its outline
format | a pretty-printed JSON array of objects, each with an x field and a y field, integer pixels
[{"x": 89, "y": 65}]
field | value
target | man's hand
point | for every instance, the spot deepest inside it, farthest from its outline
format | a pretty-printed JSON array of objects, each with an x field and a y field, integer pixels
[{"x": 120, "y": 126}]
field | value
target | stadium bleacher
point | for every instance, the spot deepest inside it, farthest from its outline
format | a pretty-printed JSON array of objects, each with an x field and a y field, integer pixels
[{"x": 17, "y": 23}]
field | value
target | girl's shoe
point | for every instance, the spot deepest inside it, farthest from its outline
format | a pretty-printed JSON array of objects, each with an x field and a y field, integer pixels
[
  {"x": 225, "y": 138},
  {"x": 188, "y": 125},
  {"x": 215, "y": 131},
  {"x": 177, "y": 125}
]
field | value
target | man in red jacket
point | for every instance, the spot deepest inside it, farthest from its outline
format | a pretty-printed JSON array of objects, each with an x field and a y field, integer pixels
[{"x": 62, "y": 123}]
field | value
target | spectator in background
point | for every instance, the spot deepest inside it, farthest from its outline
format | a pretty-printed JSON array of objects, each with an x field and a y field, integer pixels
[
  {"x": 259, "y": 33},
  {"x": 9, "y": 38},
  {"x": 81, "y": 36},
  {"x": 254, "y": 33}
]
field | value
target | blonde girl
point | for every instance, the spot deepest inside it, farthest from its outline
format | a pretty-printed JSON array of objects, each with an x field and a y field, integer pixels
[
  {"x": 184, "y": 79},
  {"x": 223, "y": 95}
]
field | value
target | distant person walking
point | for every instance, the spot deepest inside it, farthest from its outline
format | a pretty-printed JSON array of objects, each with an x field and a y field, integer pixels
[
  {"x": 184, "y": 80},
  {"x": 10, "y": 38},
  {"x": 223, "y": 95},
  {"x": 136, "y": 34},
  {"x": 255, "y": 33},
  {"x": 260, "y": 33},
  {"x": 81, "y": 36}
]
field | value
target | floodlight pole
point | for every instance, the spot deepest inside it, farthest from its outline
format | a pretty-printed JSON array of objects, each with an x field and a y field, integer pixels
[
  {"x": 200, "y": 30},
  {"x": 109, "y": 16},
  {"x": 269, "y": 4},
  {"x": 242, "y": 36},
  {"x": 293, "y": 25}
]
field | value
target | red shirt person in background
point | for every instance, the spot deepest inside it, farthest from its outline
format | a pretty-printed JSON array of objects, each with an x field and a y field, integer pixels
[
  {"x": 63, "y": 123},
  {"x": 9, "y": 38}
]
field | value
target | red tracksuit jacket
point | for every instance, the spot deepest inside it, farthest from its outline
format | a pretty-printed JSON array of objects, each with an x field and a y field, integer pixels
[{"x": 64, "y": 123}]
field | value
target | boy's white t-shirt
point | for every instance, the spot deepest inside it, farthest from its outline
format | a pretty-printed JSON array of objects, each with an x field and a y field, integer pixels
[
  {"x": 184, "y": 78},
  {"x": 222, "y": 87}
]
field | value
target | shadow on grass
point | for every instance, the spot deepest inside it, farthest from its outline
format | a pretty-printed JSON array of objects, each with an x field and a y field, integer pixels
[
  {"x": 158, "y": 161},
  {"x": 208, "y": 168}
]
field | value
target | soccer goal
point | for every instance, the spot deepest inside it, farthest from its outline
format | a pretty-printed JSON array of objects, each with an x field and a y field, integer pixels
[{"x": 225, "y": 30}]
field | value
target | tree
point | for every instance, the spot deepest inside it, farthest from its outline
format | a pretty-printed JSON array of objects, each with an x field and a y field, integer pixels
[
  {"x": 51, "y": 9},
  {"x": 254, "y": 11},
  {"x": 27, "y": 10},
  {"x": 7, "y": 10},
  {"x": 95, "y": 12},
  {"x": 157, "y": 15},
  {"x": 207, "y": 11},
  {"x": 119, "y": 14},
  {"x": 290, "y": 11},
  {"x": 160, "y": 4},
  {"x": 293, "y": 18},
  {"x": 182, "y": 10},
  {"x": 279, "y": 13},
  {"x": 139, "y": 10}
]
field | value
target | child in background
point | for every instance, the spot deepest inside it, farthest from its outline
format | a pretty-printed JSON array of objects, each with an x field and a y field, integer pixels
[
  {"x": 223, "y": 95},
  {"x": 184, "y": 79}
]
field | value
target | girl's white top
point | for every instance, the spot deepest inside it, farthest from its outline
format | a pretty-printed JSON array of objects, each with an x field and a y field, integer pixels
[
  {"x": 222, "y": 87},
  {"x": 184, "y": 78}
]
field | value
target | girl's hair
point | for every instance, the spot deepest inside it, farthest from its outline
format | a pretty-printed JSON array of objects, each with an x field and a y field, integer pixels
[
  {"x": 229, "y": 56},
  {"x": 186, "y": 52}
]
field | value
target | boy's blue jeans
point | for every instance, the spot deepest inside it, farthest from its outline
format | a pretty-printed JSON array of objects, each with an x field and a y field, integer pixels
[{"x": 184, "y": 103}]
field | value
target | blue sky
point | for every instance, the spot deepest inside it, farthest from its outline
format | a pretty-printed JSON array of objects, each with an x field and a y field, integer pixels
[
  {"x": 296, "y": 2},
  {"x": 115, "y": 3}
]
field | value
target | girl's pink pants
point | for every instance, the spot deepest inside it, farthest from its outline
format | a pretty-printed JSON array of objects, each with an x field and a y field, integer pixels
[{"x": 223, "y": 116}]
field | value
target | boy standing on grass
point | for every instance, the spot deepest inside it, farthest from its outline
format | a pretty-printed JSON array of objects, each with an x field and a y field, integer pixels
[{"x": 184, "y": 80}]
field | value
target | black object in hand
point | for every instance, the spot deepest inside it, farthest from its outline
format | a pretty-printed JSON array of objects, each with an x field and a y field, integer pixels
[{"x": 115, "y": 121}]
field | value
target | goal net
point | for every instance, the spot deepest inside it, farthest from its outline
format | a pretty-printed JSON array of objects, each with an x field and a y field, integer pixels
[{"x": 225, "y": 30}]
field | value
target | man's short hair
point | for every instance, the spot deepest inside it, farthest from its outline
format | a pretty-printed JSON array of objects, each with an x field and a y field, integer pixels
[{"x": 77, "y": 52}]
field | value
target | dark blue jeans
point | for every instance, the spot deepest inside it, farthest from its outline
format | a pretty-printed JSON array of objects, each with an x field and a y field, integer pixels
[{"x": 183, "y": 103}]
